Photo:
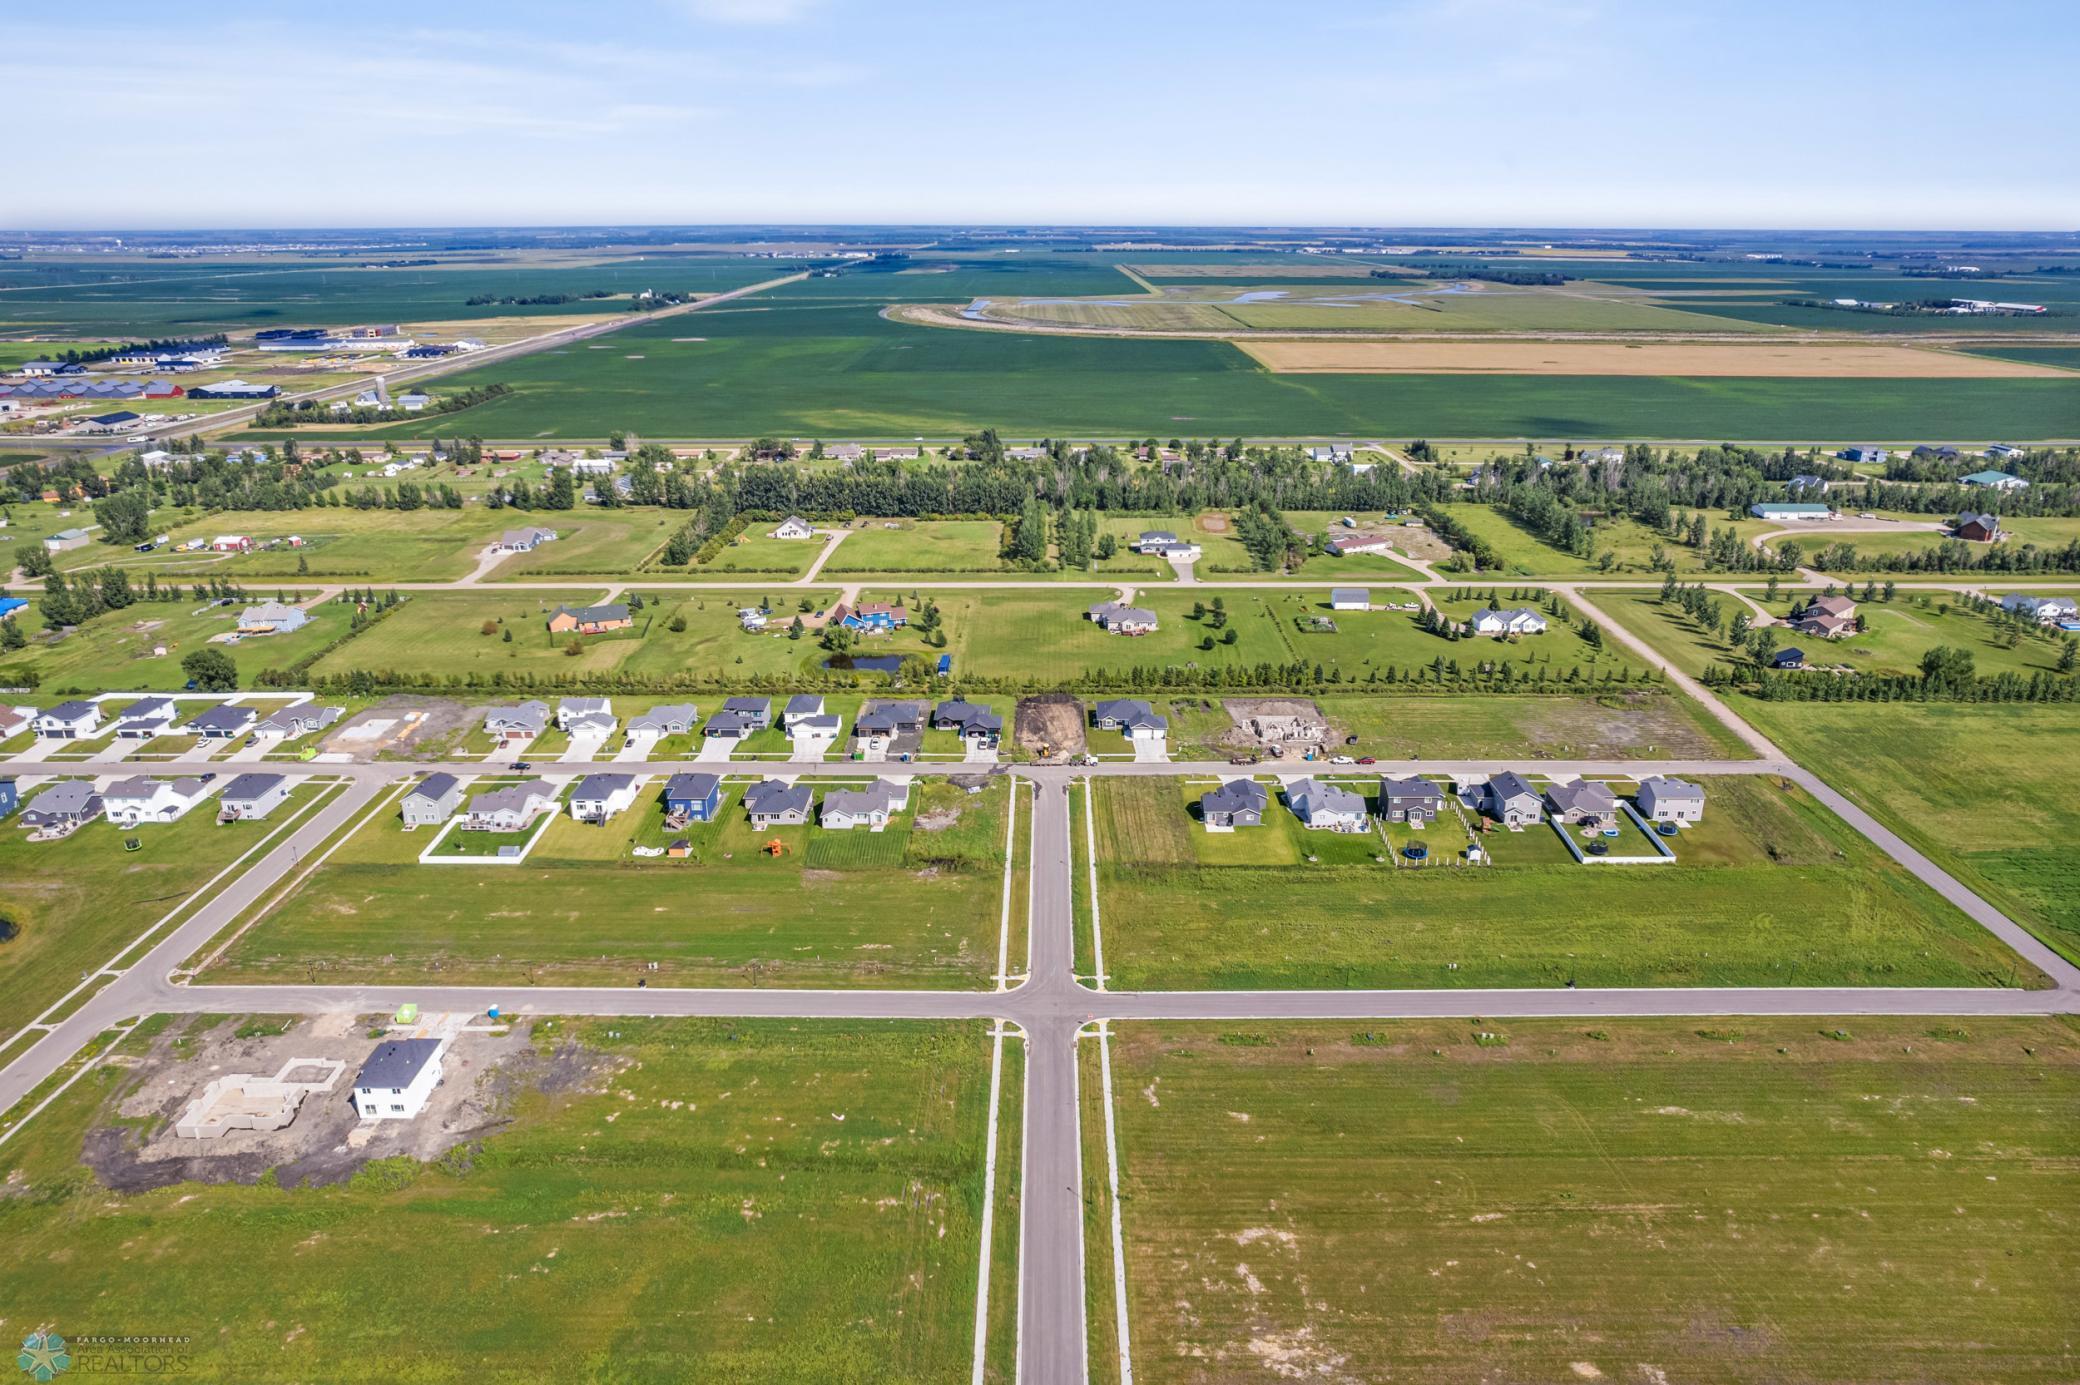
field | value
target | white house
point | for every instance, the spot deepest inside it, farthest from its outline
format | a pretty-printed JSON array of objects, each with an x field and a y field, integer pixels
[
  {"x": 525, "y": 540},
  {"x": 670, "y": 719},
  {"x": 871, "y": 807},
  {"x": 510, "y": 809},
  {"x": 398, "y": 1079},
  {"x": 2048, "y": 609},
  {"x": 1162, "y": 543},
  {"x": 68, "y": 721},
  {"x": 600, "y": 796},
  {"x": 251, "y": 797},
  {"x": 1662, "y": 799},
  {"x": 1519, "y": 621},
  {"x": 1121, "y": 619},
  {"x": 432, "y": 801},
  {"x": 521, "y": 723},
  {"x": 1327, "y": 807},
  {"x": 145, "y": 718},
  {"x": 794, "y": 527},
  {"x": 129, "y": 802},
  {"x": 585, "y": 716}
]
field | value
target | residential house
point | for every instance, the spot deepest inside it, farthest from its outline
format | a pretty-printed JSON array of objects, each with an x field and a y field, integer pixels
[
  {"x": 800, "y": 707},
  {"x": 693, "y": 797},
  {"x": 251, "y": 797},
  {"x": 599, "y": 796},
  {"x": 298, "y": 721},
  {"x": 1349, "y": 599},
  {"x": 1994, "y": 480},
  {"x": 14, "y": 721},
  {"x": 1974, "y": 527},
  {"x": 871, "y": 807},
  {"x": 976, "y": 723},
  {"x": 1800, "y": 512},
  {"x": 398, "y": 1079},
  {"x": 2047, "y": 610},
  {"x": 590, "y": 620},
  {"x": 845, "y": 452},
  {"x": 1132, "y": 718},
  {"x": 510, "y": 809},
  {"x": 740, "y": 717},
  {"x": 141, "y": 799},
  {"x": 1325, "y": 807},
  {"x": 1415, "y": 800},
  {"x": 1827, "y": 617},
  {"x": 670, "y": 719},
  {"x": 1120, "y": 619},
  {"x": 870, "y": 617},
  {"x": 1870, "y": 456},
  {"x": 272, "y": 618},
  {"x": 776, "y": 803},
  {"x": 1806, "y": 482},
  {"x": 66, "y": 539},
  {"x": 145, "y": 718},
  {"x": 794, "y": 527},
  {"x": 432, "y": 801},
  {"x": 876, "y": 728},
  {"x": 222, "y": 722},
  {"x": 1237, "y": 803},
  {"x": 1162, "y": 543},
  {"x": 2005, "y": 452},
  {"x": 521, "y": 723},
  {"x": 10, "y": 797},
  {"x": 525, "y": 540},
  {"x": 1509, "y": 799},
  {"x": 583, "y": 716},
  {"x": 753, "y": 619},
  {"x": 1521, "y": 620},
  {"x": 68, "y": 721},
  {"x": 1662, "y": 799},
  {"x": 1333, "y": 452},
  {"x": 1586, "y": 802},
  {"x": 414, "y": 402},
  {"x": 896, "y": 454},
  {"x": 67, "y": 804}
]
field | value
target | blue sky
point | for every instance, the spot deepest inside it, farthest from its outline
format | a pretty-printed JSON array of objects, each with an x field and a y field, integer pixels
[{"x": 1825, "y": 113}]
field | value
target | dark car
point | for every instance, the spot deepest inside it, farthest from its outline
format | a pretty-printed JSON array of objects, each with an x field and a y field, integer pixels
[{"x": 522, "y": 766}]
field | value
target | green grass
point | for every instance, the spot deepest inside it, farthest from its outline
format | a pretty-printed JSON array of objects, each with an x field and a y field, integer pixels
[
  {"x": 820, "y": 1182},
  {"x": 898, "y": 908},
  {"x": 1630, "y": 1200},
  {"x": 758, "y": 554},
  {"x": 114, "y": 651},
  {"x": 1795, "y": 898},
  {"x": 966, "y": 545}
]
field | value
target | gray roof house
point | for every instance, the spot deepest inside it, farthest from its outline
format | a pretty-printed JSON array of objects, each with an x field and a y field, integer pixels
[
  {"x": 799, "y": 706},
  {"x": 775, "y": 803},
  {"x": 521, "y": 723},
  {"x": 670, "y": 719},
  {"x": 582, "y": 715},
  {"x": 1663, "y": 799},
  {"x": 1237, "y": 803},
  {"x": 1412, "y": 800},
  {"x": 600, "y": 796},
  {"x": 870, "y": 807},
  {"x": 1131, "y": 717},
  {"x": 758, "y": 710},
  {"x": 432, "y": 801},
  {"x": 298, "y": 721},
  {"x": 142, "y": 799},
  {"x": 510, "y": 809},
  {"x": 222, "y": 722},
  {"x": 68, "y": 803},
  {"x": 1510, "y": 800},
  {"x": 67, "y": 720},
  {"x": 973, "y": 721},
  {"x": 887, "y": 719},
  {"x": 1589, "y": 802},
  {"x": 251, "y": 797},
  {"x": 1326, "y": 807},
  {"x": 147, "y": 717},
  {"x": 1121, "y": 619}
]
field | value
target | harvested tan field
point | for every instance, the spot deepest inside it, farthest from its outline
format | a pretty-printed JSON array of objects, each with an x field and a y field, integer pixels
[
  {"x": 1819, "y": 360},
  {"x": 1247, "y": 272}
]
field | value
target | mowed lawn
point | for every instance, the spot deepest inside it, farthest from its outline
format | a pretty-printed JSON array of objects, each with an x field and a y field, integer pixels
[
  {"x": 742, "y": 1200},
  {"x": 380, "y": 545},
  {"x": 948, "y": 545},
  {"x": 1771, "y": 891},
  {"x": 1985, "y": 791},
  {"x": 900, "y": 908},
  {"x": 117, "y": 651},
  {"x": 1853, "y": 1200}
]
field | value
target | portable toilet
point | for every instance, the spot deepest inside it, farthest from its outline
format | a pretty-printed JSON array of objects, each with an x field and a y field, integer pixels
[{"x": 408, "y": 1013}]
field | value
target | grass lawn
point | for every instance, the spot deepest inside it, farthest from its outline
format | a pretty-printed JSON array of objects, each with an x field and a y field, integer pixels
[
  {"x": 1219, "y": 550},
  {"x": 1796, "y": 898},
  {"x": 906, "y": 545},
  {"x": 904, "y": 907},
  {"x": 819, "y": 1182},
  {"x": 80, "y": 901},
  {"x": 1869, "y": 1199},
  {"x": 1985, "y": 791},
  {"x": 114, "y": 651},
  {"x": 759, "y": 554}
]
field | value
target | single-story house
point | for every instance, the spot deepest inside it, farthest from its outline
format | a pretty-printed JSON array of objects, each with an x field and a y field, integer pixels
[
  {"x": 877, "y": 727},
  {"x": 973, "y": 721},
  {"x": 670, "y": 719},
  {"x": 776, "y": 803},
  {"x": 1121, "y": 619},
  {"x": 1806, "y": 481},
  {"x": 432, "y": 801},
  {"x": 870, "y": 617},
  {"x": 398, "y": 1079},
  {"x": 2049, "y": 610},
  {"x": 68, "y": 721},
  {"x": 794, "y": 527},
  {"x": 298, "y": 721},
  {"x": 1237, "y": 803},
  {"x": 1332, "y": 452},
  {"x": 801, "y": 707},
  {"x": 1521, "y": 620},
  {"x": 1974, "y": 527},
  {"x": 1588, "y": 802},
  {"x": 590, "y": 620},
  {"x": 222, "y": 722},
  {"x": 1361, "y": 541},
  {"x": 1326, "y": 807},
  {"x": 1662, "y": 799},
  {"x": 141, "y": 799},
  {"x": 1798, "y": 511},
  {"x": 600, "y": 796},
  {"x": 1131, "y": 717},
  {"x": 145, "y": 718},
  {"x": 584, "y": 712},
  {"x": 871, "y": 807},
  {"x": 13, "y": 721},
  {"x": 1349, "y": 599},
  {"x": 65, "y": 804},
  {"x": 272, "y": 618},
  {"x": 1162, "y": 543},
  {"x": 1994, "y": 480},
  {"x": 525, "y": 540},
  {"x": 695, "y": 797},
  {"x": 1510, "y": 800},
  {"x": 521, "y": 723},
  {"x": 251, "y": 797},
  {"x": 1415, "y": 800},
  {"x": 510, "y": 809}
]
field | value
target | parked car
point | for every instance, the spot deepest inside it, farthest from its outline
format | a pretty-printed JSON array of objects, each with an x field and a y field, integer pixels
[
  {"x": 1341, "y": 760},
  {"x": 1367, "y": 760},
  {"x": 522, "y": 766}
]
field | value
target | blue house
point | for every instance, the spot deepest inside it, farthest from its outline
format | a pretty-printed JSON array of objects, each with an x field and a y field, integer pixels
[
  {"x": 697, "y": 797},
  {"x": 9, "y": 798}
]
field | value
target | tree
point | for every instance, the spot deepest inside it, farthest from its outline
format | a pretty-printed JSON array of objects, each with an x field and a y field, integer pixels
[
  {"x": 211, "y": 670},
  {"x": 125, "y": 517},
  {"x": 1947, "y": 667}
]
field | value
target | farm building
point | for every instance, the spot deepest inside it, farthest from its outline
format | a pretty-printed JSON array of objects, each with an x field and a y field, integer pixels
[
  {"x": 1796, "y": 511},
  {"x": 1350, "y": 599},
  {"x": 1994, "y": 480},
  {"x": 66, "y": 539}
]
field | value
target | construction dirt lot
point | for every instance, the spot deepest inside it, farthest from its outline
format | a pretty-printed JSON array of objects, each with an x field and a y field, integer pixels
[
  {"x": 1243, "y": 710},
  {"x": 483, "y": 1069},
  {"x": 404, "y": 728},
  {"x": 1050, "y": 727}
]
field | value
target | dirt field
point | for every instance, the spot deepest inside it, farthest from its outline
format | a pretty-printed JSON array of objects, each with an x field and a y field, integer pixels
[
  {"x": 1820, "y": 360},
  {"x": 405, "y": 727},
  {"x": 1050, "y": 726},
  {"x": 1241, "y": 709}
]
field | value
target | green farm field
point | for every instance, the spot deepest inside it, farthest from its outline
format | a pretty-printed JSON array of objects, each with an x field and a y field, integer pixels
[
  {"x": 900, "y": 908},
  {"x": 749, "y": 1200},
  {"x": 1852, "y": 1200},
  {"x": 1778, "y": 893}
]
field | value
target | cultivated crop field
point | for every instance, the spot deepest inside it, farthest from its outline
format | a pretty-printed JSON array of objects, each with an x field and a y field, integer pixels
[
  {"x": 1862, "y": 1199},
  {"x": 1786, "y": 896},
  {"x": 818, "y": 1182},
  {"x": 902, "y": 908},
  {"x": 1827, "y": 361}
]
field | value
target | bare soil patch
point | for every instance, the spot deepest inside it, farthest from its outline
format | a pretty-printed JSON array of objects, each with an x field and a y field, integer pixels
[
  {"x": 1243, "y": 711},
  {"x": 1817, "y": 360},
  {"x": 1050, "y": 727},
  {"x": 405, "y": 727}
]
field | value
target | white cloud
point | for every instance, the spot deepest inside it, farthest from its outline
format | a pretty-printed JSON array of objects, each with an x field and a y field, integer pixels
[{"x": 749, "y": 11}]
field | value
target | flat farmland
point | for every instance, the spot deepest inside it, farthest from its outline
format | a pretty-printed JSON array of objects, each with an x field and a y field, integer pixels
[
  {"x": 378, "y": 545},
  {"x": 1788, "y": 896},
  {"x": 758, "y": 554},
  {"x": 919, "y": 546},
  {"x": 821, "y": 1181},
  {"x": 1863, "y": 1199},
  {"x": 1783, "y": 360},
  {"x": 900, "y": 908}
]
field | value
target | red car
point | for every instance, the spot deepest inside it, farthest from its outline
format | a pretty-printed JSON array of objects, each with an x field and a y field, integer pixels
[{"x": 1367, "y": 760}]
